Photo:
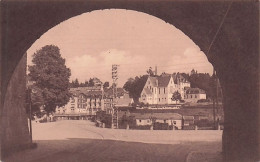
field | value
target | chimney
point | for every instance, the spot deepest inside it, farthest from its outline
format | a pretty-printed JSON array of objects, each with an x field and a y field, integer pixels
[{"x": 155, "y": 71}]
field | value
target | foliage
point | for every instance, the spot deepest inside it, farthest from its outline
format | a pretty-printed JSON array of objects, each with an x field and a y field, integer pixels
[
  {"x": 34, "y": 97},
  {"x": 104, "y": 118},
  {"x": 75, "y": 83},
  {"x": 135, "y": 86},
  {"x": 141, "y": 104},
  {"x": 203, "y": 81},
  {"x": 150, "y": 71},
  {"x": 203, "y": 100},
  {"x": 125, "y": 119},
  {"x": 204, "y": 123},
  {"x": 176, "y": 96},
  {"x": 51, "y": 76},
  {"x": 106, "y": 85},
  {"x": 91, "y": 82},
  {"x": 160, "y": 126}
]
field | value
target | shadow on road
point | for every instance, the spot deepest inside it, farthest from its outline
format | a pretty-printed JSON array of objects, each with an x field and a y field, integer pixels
[{"x": 83, "y": 149}]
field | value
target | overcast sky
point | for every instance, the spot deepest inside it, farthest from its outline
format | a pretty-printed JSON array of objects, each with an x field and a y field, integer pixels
[{"x": 93, "y": 41}]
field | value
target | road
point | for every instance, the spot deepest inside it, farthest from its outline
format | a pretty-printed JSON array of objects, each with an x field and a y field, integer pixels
[{"x": 76, "y": 141}]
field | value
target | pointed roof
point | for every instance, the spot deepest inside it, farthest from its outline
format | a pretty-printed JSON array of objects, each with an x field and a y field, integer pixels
[
  {"x": 163, "y": 81},
  {"x": 154, "y": 81},
  {"x": 179, "y": 77}
]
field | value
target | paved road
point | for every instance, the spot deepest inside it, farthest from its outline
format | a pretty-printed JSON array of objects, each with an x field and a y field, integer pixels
[{"x": 76, "y": 141}]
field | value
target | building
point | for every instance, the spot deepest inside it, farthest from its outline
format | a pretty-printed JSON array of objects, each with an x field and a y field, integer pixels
[
  {"x": 97, "y": 82},
  {"x": 85, "y": 101},
  {"x": 124, "y": 101},
  {"x": 159, "y": 89},
  {"x": 181, "y": 83},
  {"x": 194, "y": 94},
  {"x": 173, "y": 119},
  {"x": 188, "y": 122}
]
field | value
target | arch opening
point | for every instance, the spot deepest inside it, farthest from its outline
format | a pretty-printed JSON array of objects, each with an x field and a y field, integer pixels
[{"x": 225, "y": 69}]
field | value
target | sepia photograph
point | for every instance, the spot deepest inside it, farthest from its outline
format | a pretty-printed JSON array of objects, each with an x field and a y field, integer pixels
[{"x": 114, "y": 81}]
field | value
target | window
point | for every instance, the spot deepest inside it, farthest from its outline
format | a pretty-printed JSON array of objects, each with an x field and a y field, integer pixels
[
  {"x": 174, "y": 122},
  {"x": 159, "y": 90},
  {"x": 190, "y": 96},
  {"x": 164, "y": 90},
  {"x": 140, "y": 121},
  {"x": 195, "y": 96},
  {"x": 164, "y": 121},
  {"x": 152, "y": 89},
  {"x": 159, "y": 99},
  {"x": 148, "y": 121}
]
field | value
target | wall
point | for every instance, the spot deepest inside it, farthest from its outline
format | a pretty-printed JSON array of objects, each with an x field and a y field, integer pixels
[{"x": 14, "y": 122}]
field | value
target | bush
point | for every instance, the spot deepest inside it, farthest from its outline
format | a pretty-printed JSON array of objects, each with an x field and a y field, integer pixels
[
  {"x": 202, "y": 100},
  {"x": 204, "y": 123},
  {"x": 141, "y": 104},
  {"x": 140, "y": 127},
  {"x": 133, "y": 104},
  {"x": 160, "y": 126},
  {"x": 44, "y": 120}
]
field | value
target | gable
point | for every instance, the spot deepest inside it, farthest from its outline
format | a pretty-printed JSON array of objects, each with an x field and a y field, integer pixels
[{"x": 163, "y": 81}]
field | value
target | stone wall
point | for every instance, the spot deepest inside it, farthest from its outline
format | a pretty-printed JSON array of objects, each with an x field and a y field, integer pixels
[{"x": 14, "y": 122}]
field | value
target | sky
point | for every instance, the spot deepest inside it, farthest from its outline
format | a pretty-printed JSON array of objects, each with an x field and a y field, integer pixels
[{"x": 93, "y": 41}]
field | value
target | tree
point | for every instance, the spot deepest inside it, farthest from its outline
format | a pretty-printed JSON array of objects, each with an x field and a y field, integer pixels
[
  {"x": 202, "y": 81},
  {"x": 176, "y": 96},
  {"x": 135, "y": 86},
  {"x": 106, "y": 85},
  {"x": 51, "y": 76},
  {"x": 91, "y": 82},
  {"x": 129, "y": 85},
  {"x": 76, "y": 83},
  {"x": 150, "y": 71},
  {"x": 86, "y": 83},
  {"x": 34, "y": 97}
]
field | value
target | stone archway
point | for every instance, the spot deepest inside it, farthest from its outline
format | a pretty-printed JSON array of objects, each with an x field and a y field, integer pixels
[{"x": 233, "y": 52}]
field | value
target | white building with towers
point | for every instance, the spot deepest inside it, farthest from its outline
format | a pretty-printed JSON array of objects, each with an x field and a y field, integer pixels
[{"x": 159, "y": 89}]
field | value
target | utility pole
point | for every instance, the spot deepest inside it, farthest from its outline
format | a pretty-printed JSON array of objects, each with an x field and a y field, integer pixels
[
  {"x": 30, "y": 112},
  {"x": 115, "y": 78},
  {"x": 214, "y": 106},
  {"x": 217, "y": 83}
]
